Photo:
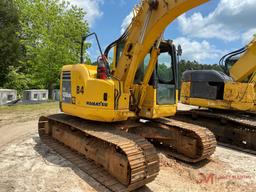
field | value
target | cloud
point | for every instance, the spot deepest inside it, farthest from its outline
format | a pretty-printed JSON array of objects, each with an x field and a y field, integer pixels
[
  {"x": 227, "y": 22},
  {"x": 201, "y": 51},
  {"x": 126, "y": 22},
  {"x": 248, "y": 35},
  {"x": 91, "y": 7}
]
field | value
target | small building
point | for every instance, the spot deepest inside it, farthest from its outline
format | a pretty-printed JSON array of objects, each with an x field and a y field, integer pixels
[
  {"x": 35, "y": 95},
  {"x": 7, "y": 95},
  {"x": 56, "y": 95}
]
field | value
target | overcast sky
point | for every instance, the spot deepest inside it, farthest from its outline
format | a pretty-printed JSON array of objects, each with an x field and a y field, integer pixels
[{"x": 205, "y": 33}]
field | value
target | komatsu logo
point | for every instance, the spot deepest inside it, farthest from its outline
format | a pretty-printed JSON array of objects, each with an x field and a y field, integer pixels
[{"x": 99, "y": 104}]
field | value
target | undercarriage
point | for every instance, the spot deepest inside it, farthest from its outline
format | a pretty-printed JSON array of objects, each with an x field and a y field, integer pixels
[
  {"x": 233, "y": 129},
  {"x": 120, "y": 155}
]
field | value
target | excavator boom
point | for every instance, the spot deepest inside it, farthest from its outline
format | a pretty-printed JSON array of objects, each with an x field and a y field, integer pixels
[
  {"x": 245, "y": 67},
  {"x": 147, "y": 26}
]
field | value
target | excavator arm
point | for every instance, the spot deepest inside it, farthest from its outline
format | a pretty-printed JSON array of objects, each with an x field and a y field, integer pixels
[
  {"x": 152, "y": 17},
  {"x": 244, "y": 69}
]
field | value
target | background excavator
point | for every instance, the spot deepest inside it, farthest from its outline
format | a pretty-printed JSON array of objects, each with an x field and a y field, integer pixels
[
  {"x": 103, "y": 107},
  {"x": 230, "y": 97}
]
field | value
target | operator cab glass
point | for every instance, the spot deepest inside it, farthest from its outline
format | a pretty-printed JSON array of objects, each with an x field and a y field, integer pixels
[
  {"x": 164, "y": 78},
  {"x": 166, "y": 89}
]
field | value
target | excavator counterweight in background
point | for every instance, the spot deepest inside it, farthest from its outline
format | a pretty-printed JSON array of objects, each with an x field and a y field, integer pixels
[{"x": 230, "y": 98}]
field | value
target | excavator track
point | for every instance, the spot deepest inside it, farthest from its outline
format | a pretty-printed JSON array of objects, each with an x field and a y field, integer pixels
[
  {"x": 232, "y": 129},
  {"x": 205, "y": 140},
  {"x": 185, "y": 141},
  {"x": 118, "y": 160}
]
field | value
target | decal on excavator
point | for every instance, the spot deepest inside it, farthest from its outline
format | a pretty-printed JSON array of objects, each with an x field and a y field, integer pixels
[
  {"x": 92, "y": 103},
  {"x": 80, "y": 90}
]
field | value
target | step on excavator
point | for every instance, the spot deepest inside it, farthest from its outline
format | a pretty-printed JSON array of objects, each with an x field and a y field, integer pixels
[
  {"x": 113, "y": 117},
  {"x": 227, "y": 100}
]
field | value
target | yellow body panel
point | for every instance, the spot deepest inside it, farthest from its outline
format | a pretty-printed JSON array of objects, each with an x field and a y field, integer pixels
[
  {"x": 158, "y": 111},
  {"x": 91, "y": 104},
  {"x": 239, "y": 92},
  {"x": 237, "y": 96},
  {"x": 151, "y": 110},
  {"x": 185, "y": 90}
]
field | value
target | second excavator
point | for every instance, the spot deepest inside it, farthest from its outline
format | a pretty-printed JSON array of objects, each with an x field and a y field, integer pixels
[
  {"x": 113, "y": 116},
  {"x": 229, "y": 98}
]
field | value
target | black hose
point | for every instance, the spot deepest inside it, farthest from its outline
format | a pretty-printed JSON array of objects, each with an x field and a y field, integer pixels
[
  {"x": 231, "y": 53},
  {"x": 225, "y": 58},
  {"x": 120, "y": 39}
]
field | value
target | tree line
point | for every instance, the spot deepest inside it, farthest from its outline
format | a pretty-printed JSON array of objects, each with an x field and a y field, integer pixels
[{"x": 194, "y": 65}]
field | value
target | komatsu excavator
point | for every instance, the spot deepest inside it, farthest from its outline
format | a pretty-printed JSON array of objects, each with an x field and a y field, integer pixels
[
  {"x": 103, "y": 107},
  {"x": 230, "y": 97}
]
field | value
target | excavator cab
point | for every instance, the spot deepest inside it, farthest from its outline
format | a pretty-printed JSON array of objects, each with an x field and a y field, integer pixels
[
  {"x": 164, "y": 78},
  {"x": 161, "y": 93}
]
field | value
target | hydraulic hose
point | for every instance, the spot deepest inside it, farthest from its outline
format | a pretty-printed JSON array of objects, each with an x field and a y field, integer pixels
[{"x": 225, "y": 58}]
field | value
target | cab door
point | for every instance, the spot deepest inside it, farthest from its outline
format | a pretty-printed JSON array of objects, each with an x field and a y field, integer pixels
[{"x": 166, "y": 75}]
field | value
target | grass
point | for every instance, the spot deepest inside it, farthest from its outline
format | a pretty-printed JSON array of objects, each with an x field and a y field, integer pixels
[{"x": 29, "y": 107}]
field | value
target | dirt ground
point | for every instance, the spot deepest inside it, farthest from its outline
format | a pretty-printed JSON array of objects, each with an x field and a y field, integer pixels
[{"x": 27, "y": 165}]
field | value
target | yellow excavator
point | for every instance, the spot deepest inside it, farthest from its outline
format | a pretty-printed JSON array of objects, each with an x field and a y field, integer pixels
[
  {"x": 229, "y": 98},
  {"x": 111, "y": 117}
]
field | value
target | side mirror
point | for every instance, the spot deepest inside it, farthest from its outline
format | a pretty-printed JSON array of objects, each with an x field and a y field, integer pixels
[
  {"x": 82, "y": 46},
  {"x": 179, "y": 50}
]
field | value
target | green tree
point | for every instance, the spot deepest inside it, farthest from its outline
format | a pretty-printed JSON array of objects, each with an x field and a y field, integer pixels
[
  {"x": 9, "y": 42},
  {"x": 185, "y": 65},
  {"x": 164, "y": 72},
  {"x": 19, "y": 81},
  {"x": 51, "y": 36}
]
